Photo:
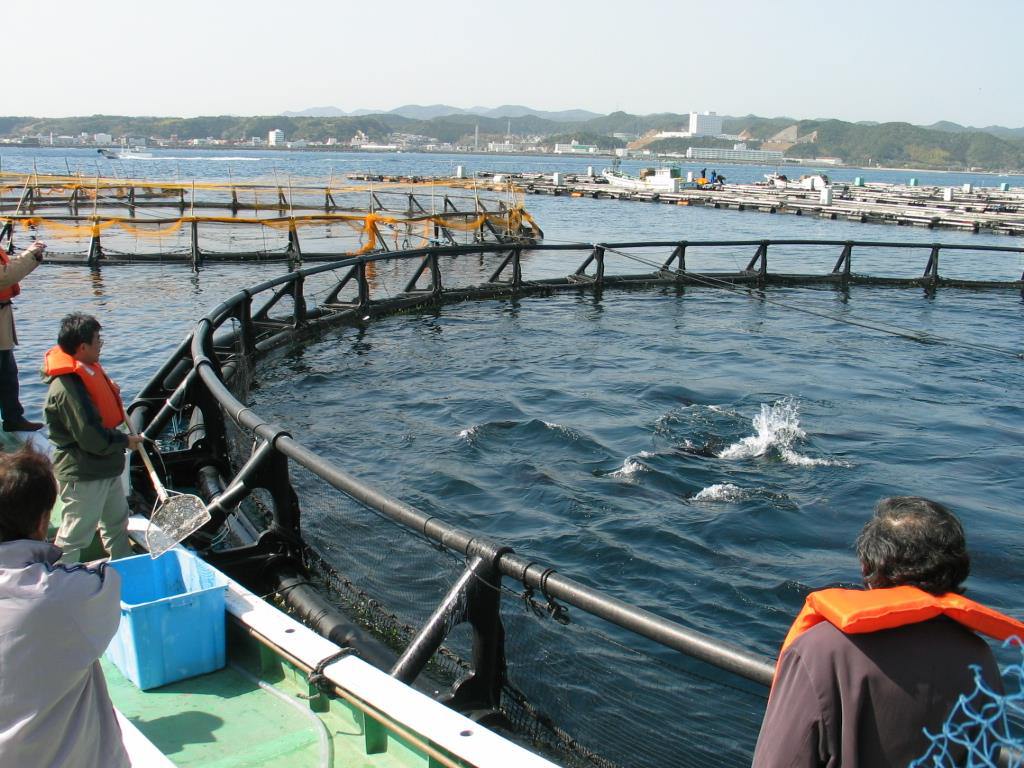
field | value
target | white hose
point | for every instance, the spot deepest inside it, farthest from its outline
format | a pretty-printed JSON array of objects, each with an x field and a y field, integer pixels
[{"x": 326, "y": 743}]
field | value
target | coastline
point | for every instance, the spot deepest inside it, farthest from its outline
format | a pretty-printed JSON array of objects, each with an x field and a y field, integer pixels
[{"x": 477, "y": 153}]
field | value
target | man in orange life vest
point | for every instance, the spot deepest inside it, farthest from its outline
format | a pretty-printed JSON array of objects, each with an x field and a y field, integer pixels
[
  {"x": 83, "y": 412},
  {"x": 862, "y": 672},
  {"x": 11, "y": 271}
]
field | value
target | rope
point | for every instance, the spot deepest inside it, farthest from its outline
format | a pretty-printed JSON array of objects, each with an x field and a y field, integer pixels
[{"x": 905, "y": 333}]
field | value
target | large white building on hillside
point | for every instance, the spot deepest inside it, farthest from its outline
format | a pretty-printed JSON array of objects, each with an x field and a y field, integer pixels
[
  {"x": 749, "y": 155},
  {"x": 705, "y": 124},
  {"x": 275, "y": 138}
]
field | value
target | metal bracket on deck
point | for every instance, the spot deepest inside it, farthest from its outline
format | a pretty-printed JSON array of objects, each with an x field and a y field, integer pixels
[
  {"x": 678, "y": 256},
  {"x": 475, "y": 598},
  {"x": 513, "y": 257},
  {"x": 358, "y": 271},
  {"x": 931, "y": 269},
  {"x": 294, "y": 250},
  {"x": 596, "y": 256},
  {"x": 95, "y": 250},
  {"x": 760, "y": 261},
  {"x": 292, "y": 288},
  {"x": 429, "y": 261},
  {"x": 843, "y": 262}
]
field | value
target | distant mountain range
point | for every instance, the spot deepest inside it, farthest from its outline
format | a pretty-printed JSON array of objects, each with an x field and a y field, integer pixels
[
  {"x": 995, "y": 130},
  {"x": 432, "y": 111},
  {"x": 429, "y": 112}
]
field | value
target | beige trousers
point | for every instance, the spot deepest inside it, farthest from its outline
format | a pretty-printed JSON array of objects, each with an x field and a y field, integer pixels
[{"x": 89, "y": 504}]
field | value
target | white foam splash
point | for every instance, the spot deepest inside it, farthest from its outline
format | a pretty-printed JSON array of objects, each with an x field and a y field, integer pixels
[
  {"x": 776, "y": 426},
  {"x": 629, "y": 467},
  {"x": 721, "y": 492},
  {"x": 561, "y": 429},
  {"x": 469, "y": 433}
]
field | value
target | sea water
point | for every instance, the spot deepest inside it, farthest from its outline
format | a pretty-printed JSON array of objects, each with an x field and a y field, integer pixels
[{"x": 709, "y": 455}]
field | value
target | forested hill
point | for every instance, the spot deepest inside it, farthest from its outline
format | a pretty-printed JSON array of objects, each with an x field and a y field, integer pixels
[{"x": 944, "y": 145}]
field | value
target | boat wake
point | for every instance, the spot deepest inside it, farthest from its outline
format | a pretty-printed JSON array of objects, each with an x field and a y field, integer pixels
[
  {"x": 777, "y": 432},
  {"x": 205, "y": 159}
]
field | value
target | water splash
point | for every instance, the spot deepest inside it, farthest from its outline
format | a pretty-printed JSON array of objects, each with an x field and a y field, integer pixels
[
  {"x": 722, "y": 492},
  {"x": 631, "y": 466},
  {"x": 777, "y": 428}
]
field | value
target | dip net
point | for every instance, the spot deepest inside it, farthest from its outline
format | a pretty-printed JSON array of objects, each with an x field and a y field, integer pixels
[{"x": 985, "y": 728}]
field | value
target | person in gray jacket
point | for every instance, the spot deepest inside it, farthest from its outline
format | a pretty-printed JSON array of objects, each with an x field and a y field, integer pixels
[{"x": 55, "y": 623}]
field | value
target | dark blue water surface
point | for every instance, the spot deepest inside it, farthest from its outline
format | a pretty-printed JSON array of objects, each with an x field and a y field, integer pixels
[{"x": 707, "y": 455}]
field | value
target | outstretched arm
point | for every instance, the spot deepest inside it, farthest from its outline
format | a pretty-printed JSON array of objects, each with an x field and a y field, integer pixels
[{"x": 21, "y": 265}]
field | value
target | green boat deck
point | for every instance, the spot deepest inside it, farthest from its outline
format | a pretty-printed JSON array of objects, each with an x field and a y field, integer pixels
[{"x": 225, "y": 719}]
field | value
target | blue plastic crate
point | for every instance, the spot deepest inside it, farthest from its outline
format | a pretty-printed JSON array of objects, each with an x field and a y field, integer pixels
[{"x": 172, "y": 619}]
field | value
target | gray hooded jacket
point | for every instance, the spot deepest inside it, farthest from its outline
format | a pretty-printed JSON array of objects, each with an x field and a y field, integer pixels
[{"x": 55, "y": 623}]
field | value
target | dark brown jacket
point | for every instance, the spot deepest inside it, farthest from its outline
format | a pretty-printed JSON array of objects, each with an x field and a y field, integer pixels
[{"x": 843, "y": 701}]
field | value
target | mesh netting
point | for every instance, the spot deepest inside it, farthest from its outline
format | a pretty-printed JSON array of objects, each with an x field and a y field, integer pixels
[
  {"x": 983, "y": 725},
  {"x": 585, "y": 691},
  {"x": 139, "y": 219}
]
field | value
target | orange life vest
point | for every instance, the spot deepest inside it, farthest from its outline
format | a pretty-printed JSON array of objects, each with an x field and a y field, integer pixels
[
  {"x": 857, "y": 611},
  {"x": 8, "y": 293},
  {"x": 98, "y": 385}
]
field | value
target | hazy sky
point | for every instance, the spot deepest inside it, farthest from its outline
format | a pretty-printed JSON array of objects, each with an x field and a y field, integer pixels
[{"x": 862, "y": 60}]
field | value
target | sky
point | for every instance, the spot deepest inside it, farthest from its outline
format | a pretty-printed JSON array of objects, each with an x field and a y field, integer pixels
[{"x": 916, "y": 61}]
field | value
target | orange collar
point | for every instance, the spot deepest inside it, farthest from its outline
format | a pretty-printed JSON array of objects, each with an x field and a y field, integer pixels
[{"x": 856, "y": 611}]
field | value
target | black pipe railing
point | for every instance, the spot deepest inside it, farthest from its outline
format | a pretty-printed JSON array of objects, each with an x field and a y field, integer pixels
[{"x": 197, "y": 374}]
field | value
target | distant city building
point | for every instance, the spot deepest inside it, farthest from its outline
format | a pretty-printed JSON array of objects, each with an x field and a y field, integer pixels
[
  {"x": 625, "y": 136},
  {"x": 256, "y": 141},
  {"x": 102, "y": 138},
  {"x": 359, "y": 139},
  {"x": 298, "y": 144},
  {"x": 575, "y": 148},
  {"x": 705, "y": 124},
  {"x": 753, "y": 155},
  {"x": 275, "y": 138},
  {"x": 501, "y": 146}
]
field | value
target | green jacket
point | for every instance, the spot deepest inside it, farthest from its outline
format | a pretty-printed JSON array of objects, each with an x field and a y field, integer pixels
[{"x": 85, "y": 449}]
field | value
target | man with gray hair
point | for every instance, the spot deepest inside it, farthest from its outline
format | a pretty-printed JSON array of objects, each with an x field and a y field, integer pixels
[{"x": 863, "y": 672}]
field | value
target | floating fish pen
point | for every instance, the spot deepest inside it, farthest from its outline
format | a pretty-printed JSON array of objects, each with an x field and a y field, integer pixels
[
  {"x": 104, "y": 221},
  {"x": 500, "y": 634}
]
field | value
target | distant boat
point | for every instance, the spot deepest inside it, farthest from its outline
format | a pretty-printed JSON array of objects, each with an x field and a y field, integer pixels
[
  {"x": 126, "y": 154},
  {"x": 812, "y": 183},
  {"x": 668, "y": 179}
]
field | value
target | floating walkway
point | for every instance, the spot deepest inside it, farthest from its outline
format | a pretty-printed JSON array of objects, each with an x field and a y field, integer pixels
[{"x": 957, "y": 208}]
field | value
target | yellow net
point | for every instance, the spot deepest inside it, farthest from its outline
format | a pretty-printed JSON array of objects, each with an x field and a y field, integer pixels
[{"x": 51, "y": 206}]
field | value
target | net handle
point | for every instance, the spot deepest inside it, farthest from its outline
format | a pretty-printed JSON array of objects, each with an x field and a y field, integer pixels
[{"x": 161, "y": 492}]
